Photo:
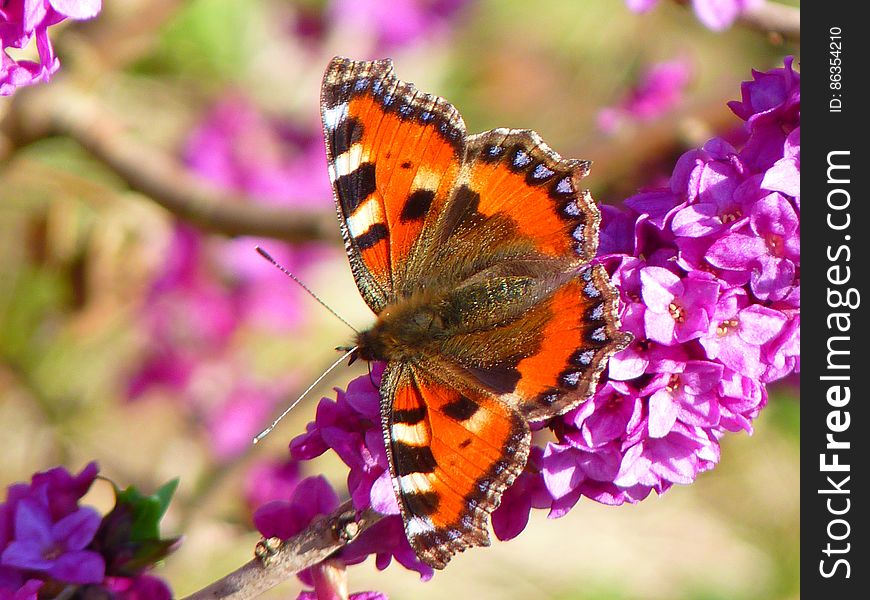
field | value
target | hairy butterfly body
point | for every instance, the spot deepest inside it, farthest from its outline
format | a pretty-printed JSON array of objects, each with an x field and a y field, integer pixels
[{"x": 474, "y": 253}]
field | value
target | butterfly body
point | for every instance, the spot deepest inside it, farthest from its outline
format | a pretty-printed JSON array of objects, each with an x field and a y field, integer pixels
[{"x": 473, "y": 252}]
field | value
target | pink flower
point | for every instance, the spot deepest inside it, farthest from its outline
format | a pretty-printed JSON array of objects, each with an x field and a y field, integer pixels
[
  {"x": 785, "y": 174},
  {"x": 56, "y": 548},
  {"x": 47, "y": 537},
  {"x": 271, "y": 480},
  {"x": 239, "y": 416},
  {"x": 23, "y": 20},
  {"x": 770, "y": 250},
  {"x": 737, "y": 332},
  {"x": 13, "y": 586},
  {"x": 677, "y": 310},
  {"x": 242, "y": 149},
  {"x": 285, "y": 518}
]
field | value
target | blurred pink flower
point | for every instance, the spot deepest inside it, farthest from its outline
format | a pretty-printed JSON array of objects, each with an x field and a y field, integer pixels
[
  {"x": 272, "y": 161},
  {"x": 239, "y": 416},
  {"x": 393, "y": 25},
  {"x": 717, "y": 15},
  {"x": 239, "y": 148},
  {"x": 211, "y": 289},
  {"x": 269, "y": 480},
  {"x": 658, "y": 90}
]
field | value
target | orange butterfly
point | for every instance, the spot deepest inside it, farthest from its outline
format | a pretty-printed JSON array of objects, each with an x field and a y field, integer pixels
[{"x": 473, "y": 251}]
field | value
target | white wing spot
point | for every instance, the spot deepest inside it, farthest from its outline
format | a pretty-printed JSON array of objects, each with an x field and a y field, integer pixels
[
  {"x": 349, "y": 161},
  {"x": 416, "y": 482},
  {"x": 412, "y": 435},
  {"x": 335, "y": 115},
  {"x": 521, "y": 159},
  {"x": 367, "y": 214},
  {"x": 571, "y": 378}
]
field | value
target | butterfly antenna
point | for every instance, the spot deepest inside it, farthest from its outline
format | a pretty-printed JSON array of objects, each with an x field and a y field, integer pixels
[
  {"x": 280, "y": 267},
  {"x": 268, "y": 429}
]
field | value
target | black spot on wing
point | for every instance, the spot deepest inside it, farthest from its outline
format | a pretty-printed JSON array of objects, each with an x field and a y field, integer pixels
[
  {"x": 412, "y": 459},
  {"x": 421, "y": 503},
  {"x": 355, "y": 187},
  {"x": 409, "y": 416},
  {"x": 461, "y": 409},
  {"x": 346, "y": 134},
  {"x": 372, "y": 236},
  {"x": 500, "y": 378},
  {"x": 463, "y": 208},
  {"x": 417, "y": 205}
]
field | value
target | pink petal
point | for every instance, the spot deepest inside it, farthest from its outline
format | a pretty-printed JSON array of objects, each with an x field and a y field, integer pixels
[
  {"x": 77, "y": 9},
  {"x": 662, "y": 413}
]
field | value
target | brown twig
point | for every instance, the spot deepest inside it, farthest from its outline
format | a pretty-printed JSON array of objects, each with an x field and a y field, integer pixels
[
  {"x": 774, "y": 18},
  {"x": 60, "y": 109},
  {"x": 272, "y": 566}
]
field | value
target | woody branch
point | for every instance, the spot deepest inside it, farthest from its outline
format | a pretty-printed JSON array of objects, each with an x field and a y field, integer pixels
[
  {"x": 306, "y": 549},
  {"x": 774, "y": 18},
  {"x": 60, "y": 109}
]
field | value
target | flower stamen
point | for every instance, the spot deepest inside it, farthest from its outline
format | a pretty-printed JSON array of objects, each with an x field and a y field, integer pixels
[{"x": 725, "y": 327}]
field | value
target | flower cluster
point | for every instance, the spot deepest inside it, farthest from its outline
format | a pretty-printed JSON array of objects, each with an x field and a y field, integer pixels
[
  {"x": 717, "y": 15},
  {"x": 49, "y": 542},
  {"x": 22, "y": 21},
  {"x": 210, "y": 291},
  {"x": 708, "y": 271}
]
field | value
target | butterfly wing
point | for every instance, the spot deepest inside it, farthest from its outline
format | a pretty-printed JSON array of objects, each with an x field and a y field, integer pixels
[
  {"x": 452, "y": 451},
  {"x": 536, "y": 323},
  {"x": 394, "y": 154}
]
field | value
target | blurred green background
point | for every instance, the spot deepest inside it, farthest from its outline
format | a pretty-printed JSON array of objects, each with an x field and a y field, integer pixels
[{"x": 79, "y": 251}]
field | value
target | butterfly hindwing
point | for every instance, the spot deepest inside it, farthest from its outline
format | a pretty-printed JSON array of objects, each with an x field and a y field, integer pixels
[
  {"x": 453, "y": 450},
  {"x": 579, "y": 334},
  {"x": 394, "y": 154}
]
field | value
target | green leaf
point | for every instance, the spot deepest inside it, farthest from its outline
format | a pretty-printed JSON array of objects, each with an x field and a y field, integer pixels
[{"x": 146, "y": 511}]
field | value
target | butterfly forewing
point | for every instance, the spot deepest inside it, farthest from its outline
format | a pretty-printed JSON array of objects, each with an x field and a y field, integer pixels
[{"x": 394, "y": 154}]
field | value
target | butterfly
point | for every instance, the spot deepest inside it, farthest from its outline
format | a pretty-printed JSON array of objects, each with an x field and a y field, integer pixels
[{"x": 474, "y": 253}]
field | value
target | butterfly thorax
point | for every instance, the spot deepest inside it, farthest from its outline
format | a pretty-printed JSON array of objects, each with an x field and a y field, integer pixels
[{"x": 404, "y": 331}]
